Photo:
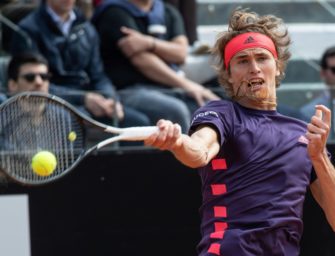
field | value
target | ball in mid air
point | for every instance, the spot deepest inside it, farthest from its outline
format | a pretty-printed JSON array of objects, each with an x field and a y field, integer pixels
[
  {"x": 72, "y": 136},
  {"x": 44, "y": 163}
]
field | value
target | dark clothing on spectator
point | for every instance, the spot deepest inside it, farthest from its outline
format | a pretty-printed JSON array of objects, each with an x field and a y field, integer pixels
[
  {"x": 117, "y": 65},
  {"x": 74, "y": 59},
  {"x": 188, "y": 10}
]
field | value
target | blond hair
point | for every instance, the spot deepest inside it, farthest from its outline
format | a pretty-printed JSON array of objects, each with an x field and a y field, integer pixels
[{"x": 242, "y": 21}]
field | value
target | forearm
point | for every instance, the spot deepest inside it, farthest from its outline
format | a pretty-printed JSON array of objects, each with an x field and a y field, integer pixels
[
  {"x": 170, "y": 52},
  {"x": 158, "y": 71},
  {"x": 199, "y": 149},
  {"x": 191, "y": 153},
  {"x": 326, "y": 186}
]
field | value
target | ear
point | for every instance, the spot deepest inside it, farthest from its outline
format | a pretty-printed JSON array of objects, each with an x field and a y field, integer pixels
[
  {"x": 12, "y": 86},
  {"x": 277, "y": 69}
]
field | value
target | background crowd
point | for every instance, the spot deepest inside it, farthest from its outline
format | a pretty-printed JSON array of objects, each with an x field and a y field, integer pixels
[
  {"x": 127, "y": 74},
  {"x": 120, "y": 61}
]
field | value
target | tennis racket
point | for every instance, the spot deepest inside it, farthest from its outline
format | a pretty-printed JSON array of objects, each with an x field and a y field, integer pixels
[{"x": 33, "y": 122}]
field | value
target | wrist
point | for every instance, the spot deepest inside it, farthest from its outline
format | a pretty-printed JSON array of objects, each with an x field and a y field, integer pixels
[
  {"x": 319, "y": 157},
  {"x": 153, "y": 45}
]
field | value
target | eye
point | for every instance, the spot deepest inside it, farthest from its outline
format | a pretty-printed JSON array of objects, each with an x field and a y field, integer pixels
[
  {"x": 242, "y": 61},
  {"x": 262, "y": 58}
]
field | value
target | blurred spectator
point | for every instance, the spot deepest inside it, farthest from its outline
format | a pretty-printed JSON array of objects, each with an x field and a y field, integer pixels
[
  {"x": 71, "y": 46},
  {"x": 188, "y": 11},
  {"x": 327, "y": 74},
  {"x": 28, "y": 72},
  {"x": 142, "y": 44}
]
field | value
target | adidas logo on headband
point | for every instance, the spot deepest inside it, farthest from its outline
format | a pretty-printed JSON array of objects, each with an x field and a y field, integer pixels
[{"x": 249, "y": 40}]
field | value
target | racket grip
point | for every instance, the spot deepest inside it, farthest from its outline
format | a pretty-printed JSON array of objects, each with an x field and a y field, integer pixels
[{"x": 138, "y": 133}]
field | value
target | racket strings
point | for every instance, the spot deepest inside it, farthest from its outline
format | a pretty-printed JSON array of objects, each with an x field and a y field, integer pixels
[{"x": 33, "y": 124}]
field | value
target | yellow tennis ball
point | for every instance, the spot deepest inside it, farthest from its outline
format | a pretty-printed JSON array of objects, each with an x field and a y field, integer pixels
[
  {"x": 44, "y": 163},
  {"x": 72, "y": 136}
]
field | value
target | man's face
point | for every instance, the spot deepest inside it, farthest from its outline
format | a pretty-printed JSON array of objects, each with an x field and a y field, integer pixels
[
  {"x": 327, "y": 74},
  {"x": 253, "y": 73},
  {"x": 61, "y": 7},
  {"x": 31, "y": 77}
]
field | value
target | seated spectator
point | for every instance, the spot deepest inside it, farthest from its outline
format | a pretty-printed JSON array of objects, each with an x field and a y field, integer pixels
[
  {"x": 142, "y": 44},
  {"x": 28, "y": 72},
  {"x": 71, "y": 45},
  {"x": 327, "y": 74}
]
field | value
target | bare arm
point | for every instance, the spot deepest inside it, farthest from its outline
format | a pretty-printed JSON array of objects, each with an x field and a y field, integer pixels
[
  {"x": 150, "y": 56},
  {"x": 157, "y": 70},
  {"x": 193, "y": 151},
  {"x": 174, "y": 51},
  {"x": 323, "y": 189}
]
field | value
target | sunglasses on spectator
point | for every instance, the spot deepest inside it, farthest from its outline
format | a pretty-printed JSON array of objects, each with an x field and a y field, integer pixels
[
  {"x": 30, "y": 77},
  {"x": 332, "y": 69}
]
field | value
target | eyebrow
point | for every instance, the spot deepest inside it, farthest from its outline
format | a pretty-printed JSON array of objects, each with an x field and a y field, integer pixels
[{"x": 257, "y": 54}]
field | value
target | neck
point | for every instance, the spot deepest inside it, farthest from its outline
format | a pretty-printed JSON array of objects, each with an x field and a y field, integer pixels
[{"x": 258, "y": 104}]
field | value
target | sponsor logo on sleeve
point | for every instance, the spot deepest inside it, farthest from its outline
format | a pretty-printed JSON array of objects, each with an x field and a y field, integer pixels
[{"x": 204, "y": 114}]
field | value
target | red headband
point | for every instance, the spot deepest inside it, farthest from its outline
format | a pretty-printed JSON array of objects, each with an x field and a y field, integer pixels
[{"x": 245, "y": 41}]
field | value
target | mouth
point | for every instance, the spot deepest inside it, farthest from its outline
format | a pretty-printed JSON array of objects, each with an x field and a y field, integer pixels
[{"x": 256, "y": 84}]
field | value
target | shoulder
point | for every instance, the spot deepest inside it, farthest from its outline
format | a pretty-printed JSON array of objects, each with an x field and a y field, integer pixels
[
  {"x": 170, "y": 8},
  {"x": 31, "y": 19},
  {"x": 109, "y": 10},
  {"x": 214, "y": 109},
  {"x": 112, "y": 15},
  {"x": 216, "y": 114},
  {"x": 171, "y": 11},
  {"x": 218, "y": 105}
]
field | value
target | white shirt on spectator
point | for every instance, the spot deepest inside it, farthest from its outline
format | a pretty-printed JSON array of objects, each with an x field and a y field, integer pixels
[{"x": 64, "y": 26}]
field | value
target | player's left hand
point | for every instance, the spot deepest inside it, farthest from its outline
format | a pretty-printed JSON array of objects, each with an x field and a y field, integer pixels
[{"x": 318, "y": 131}]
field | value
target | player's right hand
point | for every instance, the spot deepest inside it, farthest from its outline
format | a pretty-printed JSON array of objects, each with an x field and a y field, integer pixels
[{"x": 168, "y": 137}]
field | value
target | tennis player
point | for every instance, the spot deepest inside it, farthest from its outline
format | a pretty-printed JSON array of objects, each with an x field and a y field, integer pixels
[{"x": 255, "y": 164}]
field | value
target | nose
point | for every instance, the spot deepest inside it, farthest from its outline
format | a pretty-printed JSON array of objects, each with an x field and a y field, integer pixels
[
  {"x": 254, "y": 68},
  {"x": 38, "y": 82}
]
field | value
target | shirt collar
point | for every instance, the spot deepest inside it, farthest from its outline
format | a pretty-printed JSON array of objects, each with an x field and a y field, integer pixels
[{"x": 64, "y": 26}]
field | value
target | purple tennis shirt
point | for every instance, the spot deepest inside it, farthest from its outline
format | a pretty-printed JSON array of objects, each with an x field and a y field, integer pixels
[{"x": 253, "y": 190}]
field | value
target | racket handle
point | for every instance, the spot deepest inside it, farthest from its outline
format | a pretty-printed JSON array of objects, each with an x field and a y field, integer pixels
[
  {"x": 130, "y": 134},
  {"x": 137, "y": 133}
]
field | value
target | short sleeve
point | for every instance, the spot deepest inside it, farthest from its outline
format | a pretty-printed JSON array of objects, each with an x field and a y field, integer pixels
[
  {"x": 174, "y": 21},
  {"x": 217, "y": 114}
]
